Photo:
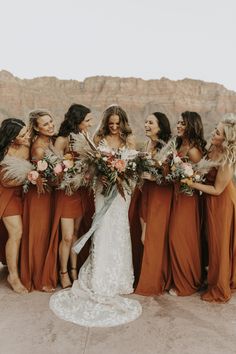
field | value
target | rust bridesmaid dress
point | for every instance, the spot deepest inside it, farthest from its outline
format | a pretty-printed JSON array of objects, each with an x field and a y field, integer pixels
[
  {"x": 79, "y": 204},
  {"x": 64, "y": 207},
  {"x": 155, "y": 270},
  {"x": 10, "y": 204},
  {"x": 185, "y": 244},
  {"x": 221, "y": 232},
  {"x": 37, "y": 220}
]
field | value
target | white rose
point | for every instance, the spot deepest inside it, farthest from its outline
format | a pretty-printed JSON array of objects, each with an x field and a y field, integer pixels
[
  {"x": 188, "y": 170},
  {"x": 177, "y": 159}
]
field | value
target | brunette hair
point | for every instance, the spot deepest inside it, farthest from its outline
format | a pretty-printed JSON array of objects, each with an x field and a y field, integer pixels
[
  {"x": 194, "y": 131},
  {"x": 73, "y": 117},
  {"x": 164, "y": 133},
  {"x": 9, "y": 130}
]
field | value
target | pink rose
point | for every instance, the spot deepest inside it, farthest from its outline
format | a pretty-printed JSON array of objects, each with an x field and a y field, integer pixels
[
  {"x": 68, "y": 164},
  {"x": 33, "y": 176},
  {"x": 42, "y": 165},
  {"x": 120, "y": 165},
  {"x": 58, "y": 168}
]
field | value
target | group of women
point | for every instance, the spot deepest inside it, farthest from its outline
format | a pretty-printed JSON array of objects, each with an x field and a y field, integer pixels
[{"x": 178, "y": 241}]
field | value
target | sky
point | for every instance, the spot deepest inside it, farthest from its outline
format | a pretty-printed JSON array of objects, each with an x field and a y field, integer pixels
[{"x": 149, "y": 39}]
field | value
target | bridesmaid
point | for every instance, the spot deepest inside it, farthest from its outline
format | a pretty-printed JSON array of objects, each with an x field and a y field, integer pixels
[
  {"x": 156, "y": 199},
  {"x": 69, "y": 210},
  {"x": 220, "y": 199},
  {"x": 184, "y": 236},
  {"x": 14, "y": 141},
  {"x": 37, "y": 208}
]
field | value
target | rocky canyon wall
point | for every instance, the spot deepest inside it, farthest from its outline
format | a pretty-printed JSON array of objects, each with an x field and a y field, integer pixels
[{"x": 138, "y": 97}]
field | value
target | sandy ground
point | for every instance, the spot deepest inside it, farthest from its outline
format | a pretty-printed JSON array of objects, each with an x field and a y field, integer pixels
[{"x": 168, "y": 325}]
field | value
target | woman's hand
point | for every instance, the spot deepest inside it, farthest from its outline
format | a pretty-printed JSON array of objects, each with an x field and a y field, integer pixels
[{"x": 187, "y": 181}]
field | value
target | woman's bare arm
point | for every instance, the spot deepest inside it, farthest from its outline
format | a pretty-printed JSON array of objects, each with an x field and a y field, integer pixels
[{"x": 223, "y": 177}]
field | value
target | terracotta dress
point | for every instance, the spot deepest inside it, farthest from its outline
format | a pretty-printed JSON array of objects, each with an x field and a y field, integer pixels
[
  {"x": 221, "y": 232},
  {"x": 64, "y": 207},
  {"x": 10, "y": 204},
  {"x": 185, "y": 244},
  {"x": 72, "y": 207},
  {"x": 155, "y": 271},
  {"x": 37, "y": 219}
]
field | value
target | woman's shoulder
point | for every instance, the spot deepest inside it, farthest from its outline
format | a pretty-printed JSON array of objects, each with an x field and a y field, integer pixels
[
  {"x": 194, "y": 154},
  {"x": 62, "y": 139},
  {"x": 37, "y": 149},
  {"x": 62, "y": 143},
  {"x": 22, "y": 152}
]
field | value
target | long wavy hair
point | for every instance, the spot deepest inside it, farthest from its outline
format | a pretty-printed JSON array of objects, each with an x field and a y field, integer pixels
[
  {"x": 125, "y": 129},
  {"x": 73, "y": 117},
  {"x": 33, "y": 121},
  {"x": 9, "y": 130},
  {"x": 229, "y": 144},
  {"x": 164, "y": 133},
  {"x": 194, "y": 131}
]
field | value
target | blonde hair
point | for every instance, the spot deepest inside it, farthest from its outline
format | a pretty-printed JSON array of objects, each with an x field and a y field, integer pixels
[
  {"x": 33, "y": 120},
  {"x": 229, "y": 144}
]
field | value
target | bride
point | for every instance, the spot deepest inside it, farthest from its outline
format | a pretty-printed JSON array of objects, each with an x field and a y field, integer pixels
[{"x": 94, "y": 299}]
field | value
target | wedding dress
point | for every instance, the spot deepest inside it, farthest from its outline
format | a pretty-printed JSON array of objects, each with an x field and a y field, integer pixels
[{"x": 94, "y": 299}]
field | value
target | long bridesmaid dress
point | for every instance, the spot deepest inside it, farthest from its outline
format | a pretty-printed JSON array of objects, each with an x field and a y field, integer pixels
[
  {"x": 37, "y": 219},
  {"x": 155, "y": 271},
  {"x": 185, "y": 244},
  {"x": 10, "y": 204},
  {"x": 221, "y": 231}
]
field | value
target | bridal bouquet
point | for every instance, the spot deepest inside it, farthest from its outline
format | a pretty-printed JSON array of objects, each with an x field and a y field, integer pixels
[
  {"x": 43, "y": 174},
  {"x": 74, "y": 174},
  {"x": 180, "y": 169},
  {"x": 104, "y": 165},
  {"x": 15, "y": 168},
  {"x": 49, "y": 171},
  {"x": 146, "y": 163},
  {"x": 196, "y": 173},
  {"x": 157, "y": 164},
  {"x": 25, "y": 173},
  {"x": 116, "y": 168}
]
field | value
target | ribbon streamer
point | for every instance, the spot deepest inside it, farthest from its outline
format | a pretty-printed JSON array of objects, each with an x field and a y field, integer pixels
[{"x": 78, "y": 245}]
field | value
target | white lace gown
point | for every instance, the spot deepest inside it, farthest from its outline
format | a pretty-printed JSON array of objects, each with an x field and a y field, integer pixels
[{"x": 94, "y": 299}]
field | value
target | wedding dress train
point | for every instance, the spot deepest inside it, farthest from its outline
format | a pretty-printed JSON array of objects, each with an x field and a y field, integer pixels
[{"x": 94, "y": 299}]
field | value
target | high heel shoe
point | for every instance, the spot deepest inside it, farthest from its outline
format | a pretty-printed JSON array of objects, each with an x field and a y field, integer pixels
[
  {"x": 65, "y": 280},
  {"x": 73, "y": 273}
]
